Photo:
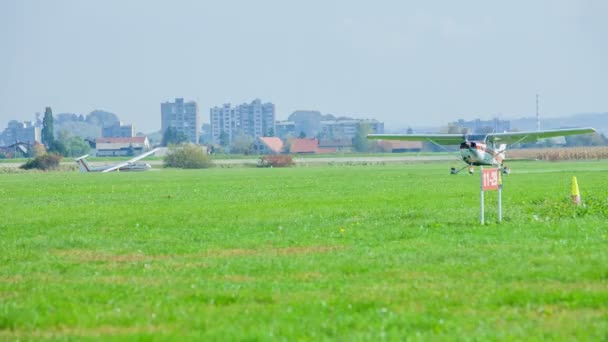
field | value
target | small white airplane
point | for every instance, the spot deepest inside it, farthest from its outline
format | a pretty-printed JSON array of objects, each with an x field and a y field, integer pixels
[
  {"x": 483, "y": 149},
  {"x": 129, "y": 165}
]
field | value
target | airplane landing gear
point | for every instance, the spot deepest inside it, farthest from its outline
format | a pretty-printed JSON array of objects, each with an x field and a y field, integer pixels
[
  {"x": 470, "y": 168},
  {"x": 506, "y": 170},
  {"x": 454, "y": 171}
]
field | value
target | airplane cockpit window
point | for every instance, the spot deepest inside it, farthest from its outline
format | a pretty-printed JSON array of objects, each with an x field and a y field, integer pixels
[{"x": 476, "y": 137}]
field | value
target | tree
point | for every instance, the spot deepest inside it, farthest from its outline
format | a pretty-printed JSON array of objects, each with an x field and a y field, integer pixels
[
  {"x": 454, "y": 128},
  {"x": 102, "y": 118},
  {"x": 130, "y": 151},
  {"x": 595, "y": 139},
  {"x": 224, "y": 139},
  {"x": 47, "y": 128},
  {"x": 360, "y": 142},
  {"x": 271, "y": 132},
  {"x": 70, "y": 146},
  {"x": 173, "y": 137},
  {"x": 187, "y": 156},
  {"x": 302, "y": 135},
  {"x": 57, "y": 147},
  {"x": 37, "y": 150},
  {"x": 242, "y": 144}
]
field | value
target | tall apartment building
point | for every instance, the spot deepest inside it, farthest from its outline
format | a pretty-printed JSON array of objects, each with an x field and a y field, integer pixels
[
  {"x": 183, "y": 116},
  {"x": 255, "y": 119}
]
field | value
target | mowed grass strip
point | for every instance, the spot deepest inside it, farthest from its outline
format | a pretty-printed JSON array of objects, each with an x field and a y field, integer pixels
[{"x": 359, "y": 252}]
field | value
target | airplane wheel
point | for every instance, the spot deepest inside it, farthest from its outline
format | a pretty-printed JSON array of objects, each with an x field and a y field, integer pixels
[
  {"x": 506, "y": 170},
  {"x": 471, "y": 170},
  {"x": 453, "y": 171}
]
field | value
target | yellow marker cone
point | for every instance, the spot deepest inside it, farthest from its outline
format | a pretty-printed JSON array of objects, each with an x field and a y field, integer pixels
[{"x": 576, "y": 195}]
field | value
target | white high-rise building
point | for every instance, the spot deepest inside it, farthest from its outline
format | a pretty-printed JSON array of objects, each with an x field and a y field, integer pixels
[
  {"x": 183, "y": 116},
  {"x": 255, "y": 119},
  {"x": 225, "y": 122}
]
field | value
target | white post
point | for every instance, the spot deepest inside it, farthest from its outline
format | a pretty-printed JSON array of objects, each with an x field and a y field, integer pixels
[
  {"x": 500, "y": 203},
  {"x": 482, "y": 200}
]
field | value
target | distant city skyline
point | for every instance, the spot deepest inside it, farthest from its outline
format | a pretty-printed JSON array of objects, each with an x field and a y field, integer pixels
[{"x": 406, "y": 64}]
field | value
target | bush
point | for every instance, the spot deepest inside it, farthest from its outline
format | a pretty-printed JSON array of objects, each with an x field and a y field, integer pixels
[
  {"x": 37, "y": 150},
  {"x": 276, "y": 160},
  {"x": 44, "y": 162},
  {"x": 187, "y": 157}
]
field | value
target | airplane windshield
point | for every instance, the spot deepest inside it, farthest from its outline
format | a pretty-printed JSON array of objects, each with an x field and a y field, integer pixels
[{"x": 476, "y": 137}]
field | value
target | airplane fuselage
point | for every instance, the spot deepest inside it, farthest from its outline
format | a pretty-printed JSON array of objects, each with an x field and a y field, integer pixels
[
  {"x": 136, "y": 167},
  {"x": 478, "y": 153}
]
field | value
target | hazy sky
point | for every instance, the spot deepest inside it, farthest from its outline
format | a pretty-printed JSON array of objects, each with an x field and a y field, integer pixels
[{"x": 406, "y": 63}]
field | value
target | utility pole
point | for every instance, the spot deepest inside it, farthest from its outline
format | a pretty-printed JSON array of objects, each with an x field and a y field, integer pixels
[{"x": 537, "y": 113}]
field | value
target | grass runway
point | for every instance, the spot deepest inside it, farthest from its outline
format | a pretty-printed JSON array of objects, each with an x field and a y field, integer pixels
[{"x": 334, "y": 252}]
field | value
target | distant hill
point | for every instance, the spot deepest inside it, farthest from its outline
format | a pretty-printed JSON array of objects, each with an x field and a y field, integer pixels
[
  {"x": 599, "y": 121},
  {"x": 102, "y": 118},
  {"x": 85, "y": 127}
]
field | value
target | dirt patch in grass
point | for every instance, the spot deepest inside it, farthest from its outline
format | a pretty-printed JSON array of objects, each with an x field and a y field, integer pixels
[
  {"x": 270, "y": 251},
  {"x": 307, "y": 250},
  {"x": 559, "y": 286},
  {"x": 80, "y": 255},
  {"x": 11, "y": 279},
  {"x": 122, "y": 280},
  {"x": 93, "y": 256},
  {"x": 550, "y": 319},
  {"x": 237, "y": 278},
  {"x": 63, "y": 331},
  {"x": 307, "y": 276},
  {"x": 228, "y": 253}
]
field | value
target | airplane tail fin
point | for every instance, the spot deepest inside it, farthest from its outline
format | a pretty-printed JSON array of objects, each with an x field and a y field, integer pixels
[{"x": 82, "y": 164}]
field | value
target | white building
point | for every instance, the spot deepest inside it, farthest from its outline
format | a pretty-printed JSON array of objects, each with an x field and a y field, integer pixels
[
  {"x": 285, "y": 128},
  {"x": 347, "y": 128},
  {"x": 118, "y": 131},
  {"x": 183, "y": 116},
  {"x": 225, "y": 122},
  {"x": 124, "y": 146},
  {"x": 255, "y": 119},
  {"x": 16, "y": 131}
]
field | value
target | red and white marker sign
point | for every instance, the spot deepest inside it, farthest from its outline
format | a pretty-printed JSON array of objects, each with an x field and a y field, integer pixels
[{"x": 490, "y": 179}]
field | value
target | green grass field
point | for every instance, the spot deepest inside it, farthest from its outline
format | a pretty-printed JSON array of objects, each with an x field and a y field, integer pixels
[{"x": 307, "y": 253}]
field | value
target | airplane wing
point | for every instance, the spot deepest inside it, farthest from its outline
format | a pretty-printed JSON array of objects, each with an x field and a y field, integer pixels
[
  {"x": 533, "y": 136},
  {"x": 133, "y": 160},
  {"x": 439, "y": 139},
  {"x": 81, "y": 157}
]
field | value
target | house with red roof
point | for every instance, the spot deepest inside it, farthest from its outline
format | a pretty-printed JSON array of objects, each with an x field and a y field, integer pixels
[
  {"x": 396, "y": 146},
  {"x": 308, "y": 146},
  {"x": 269, "y": 145}
]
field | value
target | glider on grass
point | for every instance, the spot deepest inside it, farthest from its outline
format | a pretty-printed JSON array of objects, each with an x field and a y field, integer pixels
[{"x": 129, "y": 165}]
